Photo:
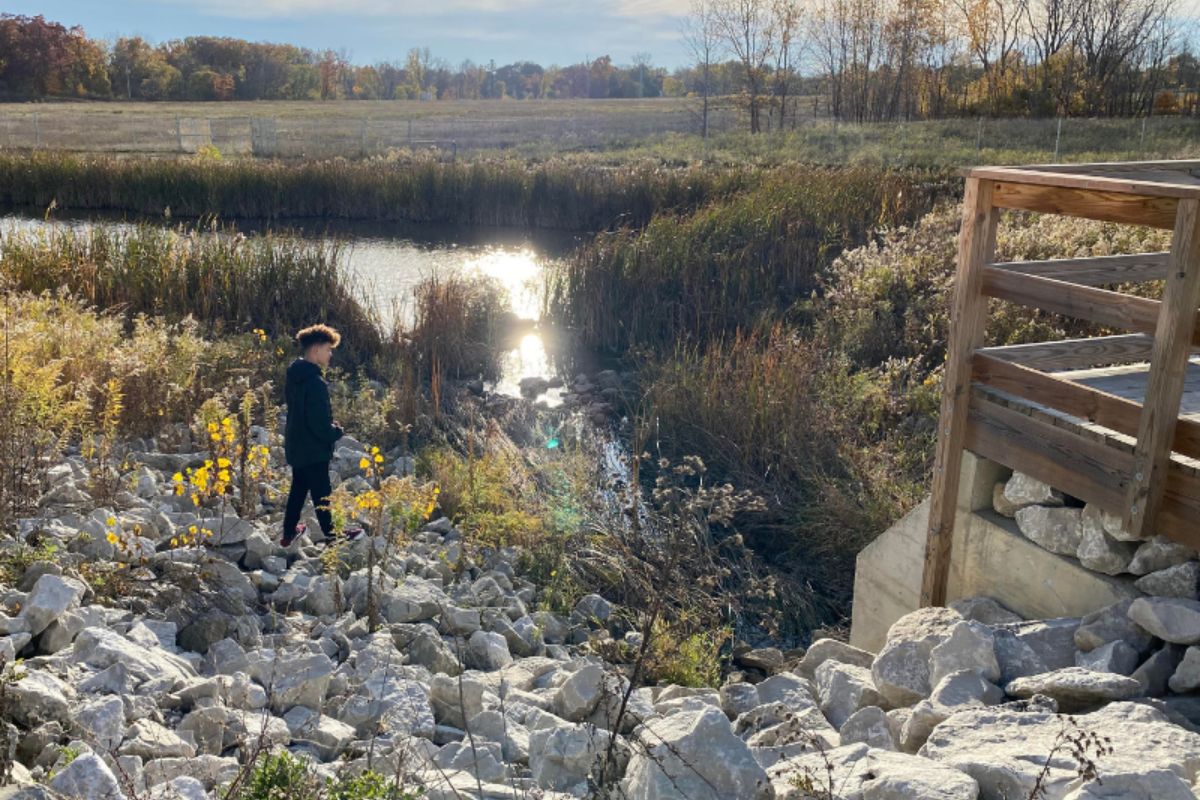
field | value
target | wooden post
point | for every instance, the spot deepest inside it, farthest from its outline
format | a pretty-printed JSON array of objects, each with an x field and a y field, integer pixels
[
  {"x": 976, "y": 245},
  {"x": 1168, "y": 367}
]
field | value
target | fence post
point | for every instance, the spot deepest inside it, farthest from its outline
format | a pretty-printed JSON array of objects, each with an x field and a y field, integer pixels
[
  {"x": 37, "y": 132},
  {"x": 178, "y": 135},
  {"x": 1057, "y": 138},
  {"x": 979, "y": 135},
  {"x": 410, "y": 133},
  {"x": 1142, "y": 144},
  {"x": 363, "y": 146}
]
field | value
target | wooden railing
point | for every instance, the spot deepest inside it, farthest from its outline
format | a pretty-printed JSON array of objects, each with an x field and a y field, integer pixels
[{"x": 990, "y": 393}]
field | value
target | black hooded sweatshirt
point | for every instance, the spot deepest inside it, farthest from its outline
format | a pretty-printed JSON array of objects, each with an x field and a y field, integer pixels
[{"x": 309, "y": 434}]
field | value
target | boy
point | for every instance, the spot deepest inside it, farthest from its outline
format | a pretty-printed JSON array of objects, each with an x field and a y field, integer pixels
[{"x": 310, "y": 432}]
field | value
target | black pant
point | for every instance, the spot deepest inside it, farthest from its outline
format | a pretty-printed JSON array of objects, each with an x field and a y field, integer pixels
[{"x": 314, "y": 479}]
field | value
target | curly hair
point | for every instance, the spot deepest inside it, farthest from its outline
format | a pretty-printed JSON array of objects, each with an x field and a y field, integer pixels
[{"x": 317, "y": 334}]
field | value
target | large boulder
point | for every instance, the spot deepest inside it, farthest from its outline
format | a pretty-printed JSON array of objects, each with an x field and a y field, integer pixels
[
  {"x": 1058, "y": 530},
  {"x": 693, "y": 754},
  {"x": 1006, "y": 750},
  {"x": 1172, "y": 619},
  {"x": 40, "y": 697},
  {"x": 1187, "y": 674},
  {"x": 87, "y": 777},
  {"x": 414, "y": 600},
  {"x": 1111, "y": 624},
  {"x": 971, "y": 645},
  {"x": 823, "y": 650},
  {"x": 101, "y": 648},
  {"x": 1181, "y": 580},
  {"x": 52, "y": 596},
  {"x": 1159, "y": 553},
  {"x": 844, "y": 689},
  {"x": 562, "y": 756},
  {"x": 1076, "y": 688}
]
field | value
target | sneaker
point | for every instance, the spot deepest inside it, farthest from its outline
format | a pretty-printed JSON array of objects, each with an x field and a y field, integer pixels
[
  {"x": 299, "y": 530},
  {"x": 352, "y": 533}
]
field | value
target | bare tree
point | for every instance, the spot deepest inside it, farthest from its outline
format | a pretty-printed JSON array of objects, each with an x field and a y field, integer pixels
[
  {"x": 786, "y": 17},
  {"x": 745, "y": 27},
  {"x": 703, "y": 41},
  {"x": 993, "y": 29}
]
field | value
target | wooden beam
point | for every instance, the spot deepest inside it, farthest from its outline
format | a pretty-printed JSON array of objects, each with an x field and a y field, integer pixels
[
  {"x": 1125, "y": 348},
  {"x": 1112, "y": 309},
  {"x": 1168, "y": 367},
  {"x": 1141, "y": 208},
  {"x": 1095, "y": 271},
  {"x": 1090, "y": 470},
  {"x": 1178, "y": 165},
  {"x": 968, "y": 313},
  {"x": 1085, "y": 183},
  {"x": 1102, "y": 408},
  {"x": 1081, "y": 467}
]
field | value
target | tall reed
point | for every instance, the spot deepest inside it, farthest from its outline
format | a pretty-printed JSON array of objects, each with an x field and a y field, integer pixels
[
  {"x": 556, "y": 194},
  {"x": 226, "y": 281},
  {"x": 703, "y": 275}
]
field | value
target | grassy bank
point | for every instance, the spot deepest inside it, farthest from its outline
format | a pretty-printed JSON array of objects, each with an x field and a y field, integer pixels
[
  {"x": 800, "y": 354},
  {"x": 695, "y": 277},
  {"x": 556, "y": 194}
]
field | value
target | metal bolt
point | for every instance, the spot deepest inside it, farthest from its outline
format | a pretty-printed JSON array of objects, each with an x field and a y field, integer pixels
[
  {"x": 1133, "y": 510},
  {"x": 1137, "y": 476}
]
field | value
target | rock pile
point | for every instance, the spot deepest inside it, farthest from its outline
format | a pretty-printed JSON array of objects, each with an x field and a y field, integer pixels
[
  {"x": 472, "y": 692},
  {"x": 1156, "y": 566}
]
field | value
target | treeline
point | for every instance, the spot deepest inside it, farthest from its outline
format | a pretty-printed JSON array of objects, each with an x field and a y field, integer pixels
[
  {"x": 42, "y": 59},
  {"x": 882, "y": 60}
]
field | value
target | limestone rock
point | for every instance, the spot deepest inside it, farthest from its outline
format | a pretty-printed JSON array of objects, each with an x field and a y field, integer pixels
[
  {"x": 1075, "y": 688},
  {"x": 562, "y": 756},
  {"x": 694, "y": 754},
  {"x": 1015, "y": 657},
  {"x": 51, "y": 597},
  {"x": 1055, "y": 529},
  {"x": 414, "y": 600},
  {"x": 1110, "y": 624},
  {"x": 1098, "y": 550},
  {"x": 1187, "y": 674},
  {"x": 87, "y": 777},
  {"x": 487, "y": 651},
  {"x": 985, "y": 610},
  {"x": 971, "y": 645},
  {"x": 1118, "y": 657},
  {"x": 1171, "y": 619},
  {"x": 896, "y": 776},
  {"x": 823, "y": 650},
  {"x": 1006, "y": 750},
  {"x": 1022, "y": 489},
  {"x": 844, "y": 689},
  {"x": 1158, "y": 554},
  {"x": 40, "y": 697},
  {"x": 148, "y": 739},
  {"x": 1001, "y": 504},
  {"x": 869, "y": 726},
  {"x": 1181, "y": 580},
  {"x": 580, "y": 693},
  {"x": 901, "y": 672},
  {"x": 738, "y": 698},
  {"x": 1155, "y": 672},
  {"x": 1051, "y": 639}
]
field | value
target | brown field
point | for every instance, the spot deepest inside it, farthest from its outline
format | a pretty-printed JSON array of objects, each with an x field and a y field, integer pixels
[{"x": 315, "y": 129}]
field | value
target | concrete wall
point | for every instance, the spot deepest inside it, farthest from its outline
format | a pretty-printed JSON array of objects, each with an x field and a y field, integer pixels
[{"x": 989, "y": 557}]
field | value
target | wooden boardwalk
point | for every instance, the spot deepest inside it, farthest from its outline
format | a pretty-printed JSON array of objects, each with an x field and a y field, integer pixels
[{"x": 1111, "y": 420}]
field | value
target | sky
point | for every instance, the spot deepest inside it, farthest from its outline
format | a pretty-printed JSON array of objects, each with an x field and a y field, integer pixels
[{"x": 369, "y": 31}]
